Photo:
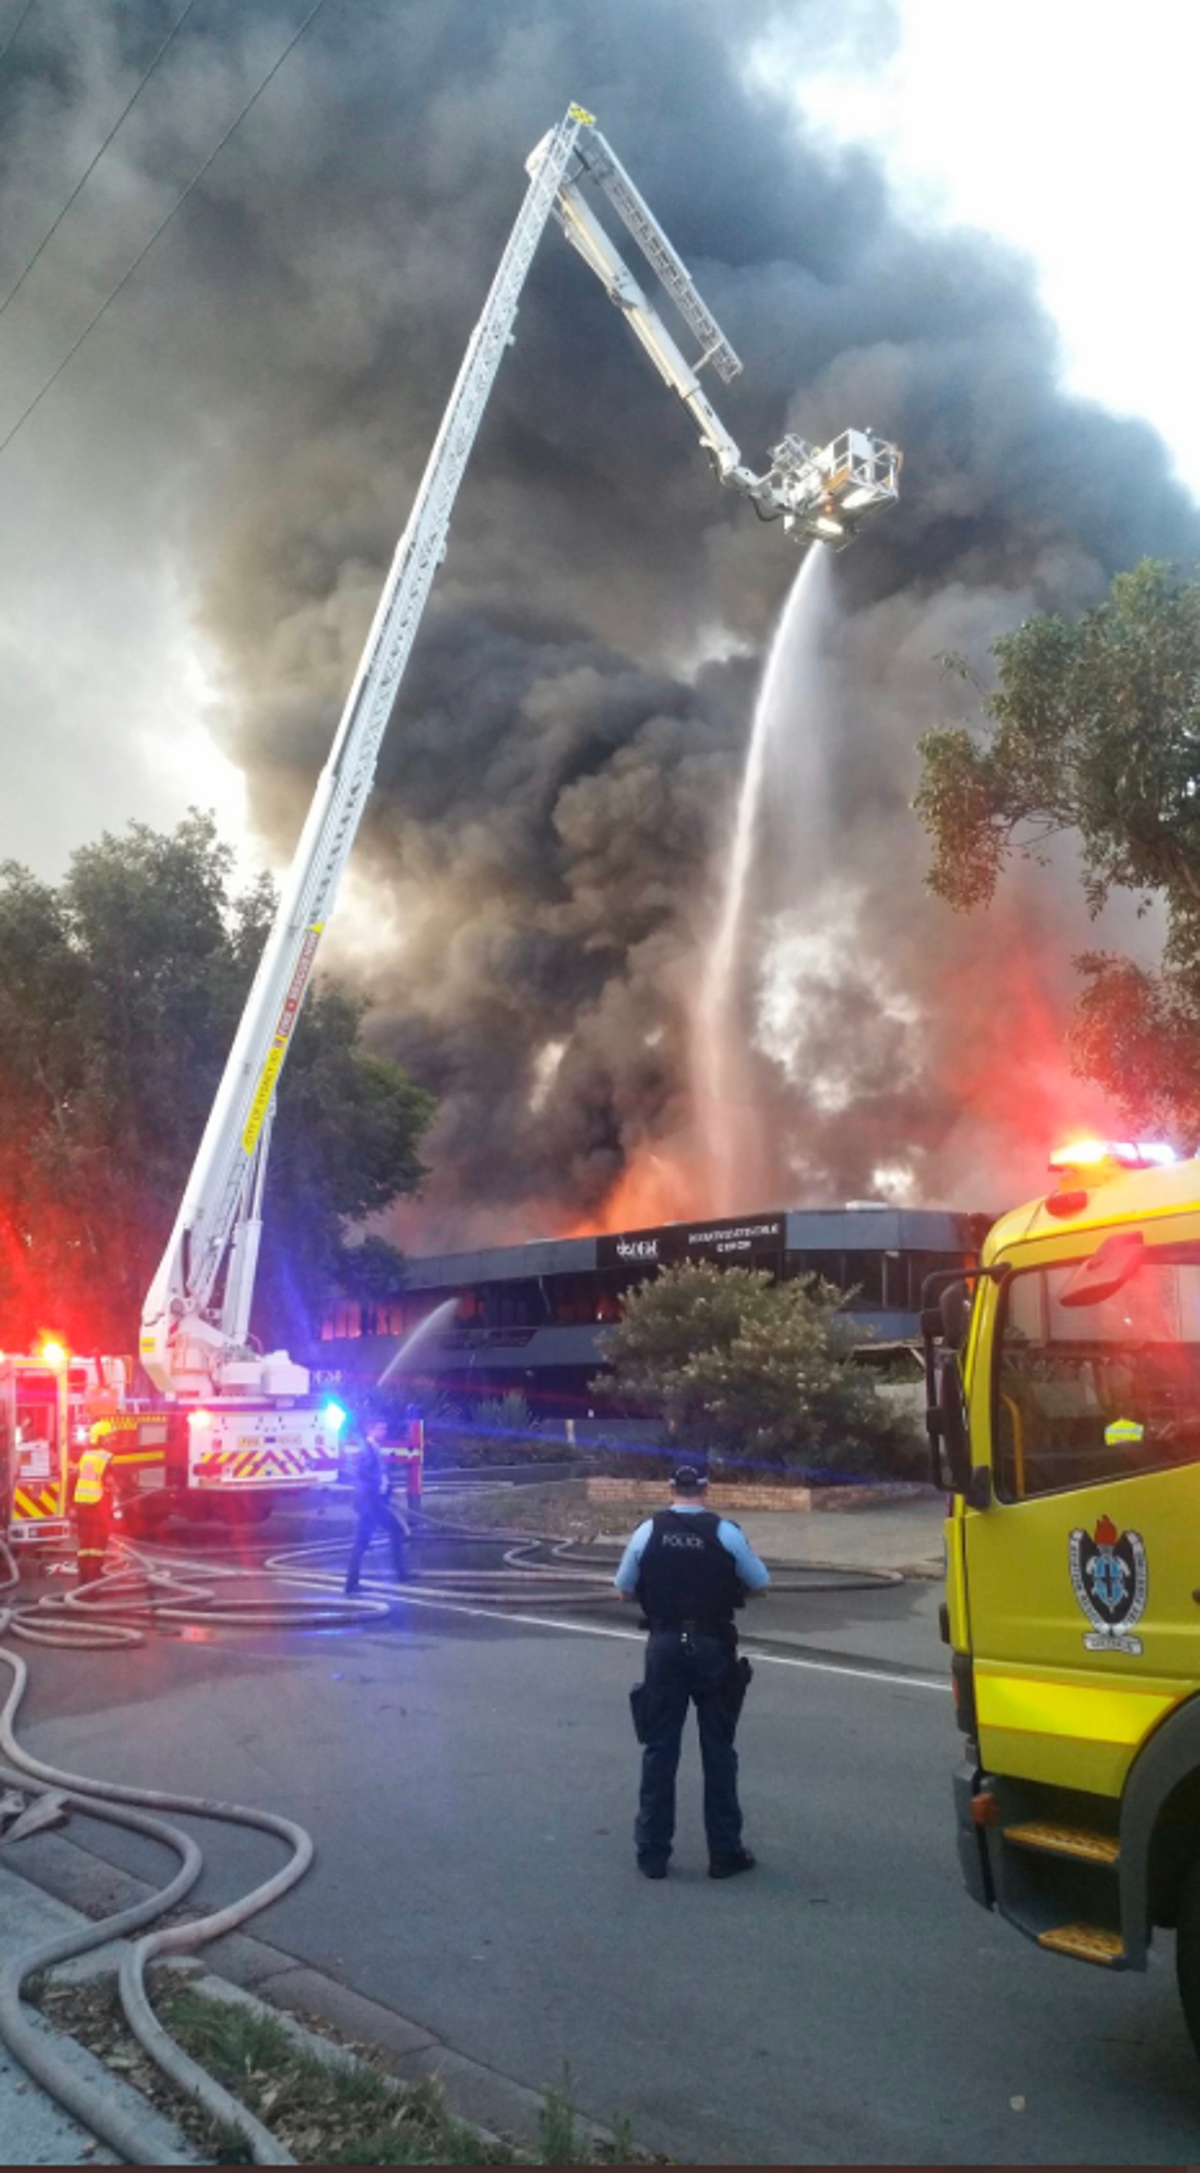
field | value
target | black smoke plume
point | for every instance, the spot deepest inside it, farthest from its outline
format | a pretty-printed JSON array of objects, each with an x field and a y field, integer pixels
[{"x": 559, "y": 777}]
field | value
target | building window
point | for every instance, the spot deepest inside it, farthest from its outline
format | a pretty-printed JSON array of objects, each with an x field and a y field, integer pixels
[{"x": 866, "y": 1270}]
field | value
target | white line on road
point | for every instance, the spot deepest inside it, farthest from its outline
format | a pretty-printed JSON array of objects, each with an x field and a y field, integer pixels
[{"x": 634, "y": 1637}]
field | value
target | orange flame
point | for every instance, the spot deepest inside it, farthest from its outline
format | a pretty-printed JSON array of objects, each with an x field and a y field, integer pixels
[{"x": 655, "y": 1186}]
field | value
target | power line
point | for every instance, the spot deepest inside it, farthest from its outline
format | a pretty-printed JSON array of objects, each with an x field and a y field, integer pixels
[
  {"x": 144, "y": 251},
  {"x": 90, "y": 169},
  {"x": 16, "y": 28}
]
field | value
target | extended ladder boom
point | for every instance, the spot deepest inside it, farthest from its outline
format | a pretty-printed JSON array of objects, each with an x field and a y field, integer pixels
[
  {"x": 182, "y": 1346},
  {"x": 197, "y": 1312}
]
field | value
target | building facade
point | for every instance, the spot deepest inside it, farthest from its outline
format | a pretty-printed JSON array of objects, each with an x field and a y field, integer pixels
[{"x": 530, "y": 1317}]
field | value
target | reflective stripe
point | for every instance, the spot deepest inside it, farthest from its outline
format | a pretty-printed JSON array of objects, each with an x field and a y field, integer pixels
[
  {"x": 278, "y": 1050},
  {"x": 1093, "y": 1713},
  {"x": 33, "y": 1507},
  {"x": 262, "y": 1463},
  {"x": 89, "y": 1486}
]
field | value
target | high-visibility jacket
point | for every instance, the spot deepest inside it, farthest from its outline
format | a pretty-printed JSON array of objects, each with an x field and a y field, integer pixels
[{"x": 89, "y": 1482}]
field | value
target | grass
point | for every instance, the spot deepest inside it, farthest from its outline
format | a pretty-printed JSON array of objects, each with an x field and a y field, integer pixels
[
  {"x": 329, "y": 2110},
  {"x": 342, "y": 2109}
]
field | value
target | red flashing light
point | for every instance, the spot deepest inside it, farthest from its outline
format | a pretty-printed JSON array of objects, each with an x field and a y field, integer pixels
[
  {"x": 1124, "y": 1153},
  {"x": 1080, "y": 1154},
  {"x": 1063, "y": 1204},
  {"x": 52, "y": 1352}
]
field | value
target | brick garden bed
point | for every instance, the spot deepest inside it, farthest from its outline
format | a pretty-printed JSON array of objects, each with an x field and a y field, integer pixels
[{"x": 654, "y": 1493}]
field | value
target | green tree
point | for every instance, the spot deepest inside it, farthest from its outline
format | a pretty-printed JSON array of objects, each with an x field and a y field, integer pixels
[
  {"x": 372, "y": 1270},
  {"x": 754, "y": 1371},
  {"x": 120, "y": 991},
  {"x": 1094, "y": 729}
]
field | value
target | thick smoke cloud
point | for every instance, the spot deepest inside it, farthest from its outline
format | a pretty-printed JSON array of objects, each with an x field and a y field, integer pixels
[{"x": 561, "y": 771}]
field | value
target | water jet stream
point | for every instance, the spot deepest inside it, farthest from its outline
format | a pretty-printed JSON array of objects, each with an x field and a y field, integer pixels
[
  {"x": 727, "y": 1133},
  {"x": 439, "y": 1318}
]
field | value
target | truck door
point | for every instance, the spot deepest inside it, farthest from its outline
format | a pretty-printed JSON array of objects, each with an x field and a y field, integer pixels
[
  {"x": 7, "y": 1446},
  {"x": 38, "y": 1408},
  {"x": 1081, "y": 1571}
]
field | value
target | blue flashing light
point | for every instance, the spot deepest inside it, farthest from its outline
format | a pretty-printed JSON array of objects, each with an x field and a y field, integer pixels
[{"x": 335, "y": 1416}]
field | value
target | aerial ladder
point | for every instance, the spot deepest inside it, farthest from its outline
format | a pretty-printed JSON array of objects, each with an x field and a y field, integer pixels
[{"x": 195, "y": 1340}]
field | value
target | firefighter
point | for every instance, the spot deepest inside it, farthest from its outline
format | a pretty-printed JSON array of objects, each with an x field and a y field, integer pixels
[
  {"x": 372, "y": 1507},
  {"x": 689, "y": 1570},
  {"x": 92, "y": 1503}
]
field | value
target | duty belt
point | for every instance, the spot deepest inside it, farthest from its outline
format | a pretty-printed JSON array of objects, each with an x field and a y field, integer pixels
[{"x": 691, "y": 1623}]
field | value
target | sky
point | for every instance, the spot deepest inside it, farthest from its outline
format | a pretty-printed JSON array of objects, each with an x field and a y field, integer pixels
[
  {"x": 1065, "y": 127},
  {"x": 955, "y": 223},
  {"x": 943, "y": 94}
]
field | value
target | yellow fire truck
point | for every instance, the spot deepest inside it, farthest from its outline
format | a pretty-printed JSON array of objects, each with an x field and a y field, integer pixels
[{"x": 1065, "y": 1423}]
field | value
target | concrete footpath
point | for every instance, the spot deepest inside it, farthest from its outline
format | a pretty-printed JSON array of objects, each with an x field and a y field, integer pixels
[
  {"x": 33, "y": 2129},
  {"x": 904, "y": 1536}
]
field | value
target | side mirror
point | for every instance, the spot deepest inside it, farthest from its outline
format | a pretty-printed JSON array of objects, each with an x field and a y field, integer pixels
[
  {"x": 952, "y": 1426},
  {"x": 956, "y": 1313}
]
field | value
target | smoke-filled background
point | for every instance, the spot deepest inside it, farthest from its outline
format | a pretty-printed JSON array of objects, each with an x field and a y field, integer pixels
[{"x": 538, "y": 874}]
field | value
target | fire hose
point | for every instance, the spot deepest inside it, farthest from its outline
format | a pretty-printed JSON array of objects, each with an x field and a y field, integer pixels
[
  {"x": 144, "y": 1592},
  {"x": 156, "y": 1588}
]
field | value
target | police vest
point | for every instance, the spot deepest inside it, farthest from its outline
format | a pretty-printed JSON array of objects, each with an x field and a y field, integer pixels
[
  {"x": 686, "y": 1574},
  {"x": 89, "y": 1485}
]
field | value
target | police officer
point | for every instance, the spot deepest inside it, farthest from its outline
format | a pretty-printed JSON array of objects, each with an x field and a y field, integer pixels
[
  {"x": 690, "y": 1569},
  {"x": 92, "y": 1503},
  {"x": 372, "y": 1487}
]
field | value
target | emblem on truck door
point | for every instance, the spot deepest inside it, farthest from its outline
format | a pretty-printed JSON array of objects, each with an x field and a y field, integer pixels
[{"x": 1110, "y": 1582}]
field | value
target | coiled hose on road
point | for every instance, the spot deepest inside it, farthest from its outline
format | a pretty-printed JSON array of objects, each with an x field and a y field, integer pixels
[
  {"x": 83, "y": 1619},
  {"x": 162, "y": 1587}
]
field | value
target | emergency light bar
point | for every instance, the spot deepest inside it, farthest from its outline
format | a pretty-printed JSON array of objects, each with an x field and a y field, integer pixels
[{"x": 1123, "y": 1153}]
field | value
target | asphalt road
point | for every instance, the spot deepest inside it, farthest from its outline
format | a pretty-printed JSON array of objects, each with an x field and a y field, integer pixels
[{"x": 469, "y": 1782}]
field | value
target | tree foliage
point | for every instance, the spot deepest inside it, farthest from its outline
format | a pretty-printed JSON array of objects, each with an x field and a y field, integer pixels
[
  {"x": 754, "y": 1371},
  {"x": 372, "y": 1270},
  {"x": 120, "y": 991},
  {"x": 1094, "y": 729}
]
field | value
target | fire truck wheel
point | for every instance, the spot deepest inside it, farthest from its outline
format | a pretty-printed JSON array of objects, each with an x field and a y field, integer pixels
[{"x": 1187, "y": 1952}]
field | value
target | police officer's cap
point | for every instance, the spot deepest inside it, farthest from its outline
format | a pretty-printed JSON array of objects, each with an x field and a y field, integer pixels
[{"x": 687, "y": 1480}]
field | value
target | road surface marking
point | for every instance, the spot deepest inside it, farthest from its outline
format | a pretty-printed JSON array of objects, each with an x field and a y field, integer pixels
[{"x": 635, "y": 1637}]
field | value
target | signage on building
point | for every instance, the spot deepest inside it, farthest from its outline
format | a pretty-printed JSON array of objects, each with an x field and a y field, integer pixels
[{"x": 756, "y": 1240}]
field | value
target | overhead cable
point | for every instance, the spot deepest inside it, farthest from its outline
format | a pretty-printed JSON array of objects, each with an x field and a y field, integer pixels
[
  {"x": 90, "y": 168},
  {"x": 163, "y": 223},
  {"x": 16, "y": 28}
]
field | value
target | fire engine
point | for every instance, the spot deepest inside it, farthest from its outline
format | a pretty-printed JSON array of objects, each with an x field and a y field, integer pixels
[
  {"x": 1065, "y": 1423},
  {"x": 235, "y": 1418},
  {"x": 51, "y": 1404}
]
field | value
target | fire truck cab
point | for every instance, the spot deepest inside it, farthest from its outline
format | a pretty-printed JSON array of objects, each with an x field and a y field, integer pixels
[{"x": 1065, "y": 1423}]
